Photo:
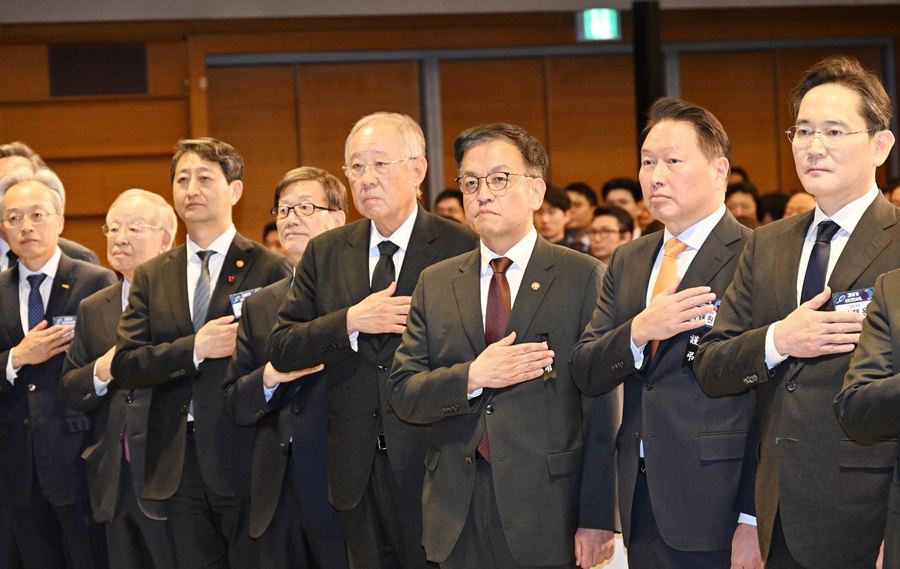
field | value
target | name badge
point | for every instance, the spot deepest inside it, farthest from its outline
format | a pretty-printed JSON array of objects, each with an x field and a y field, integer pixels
[
  {"x": 853, "y": 300},
  {"x": 238, "y": 298},
  {"x": 64, "y": 320},
  {"x": 710, "y": 317}
]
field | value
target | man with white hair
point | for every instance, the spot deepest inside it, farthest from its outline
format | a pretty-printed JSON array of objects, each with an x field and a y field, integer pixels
[
  {"x": 42, "y": 477},
  {"x": 139, "y": 226}
]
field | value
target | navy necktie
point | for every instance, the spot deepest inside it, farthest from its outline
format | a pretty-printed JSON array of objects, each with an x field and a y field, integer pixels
[
  {"x": 35, "y": 300},
  {"x": 817, "y": 268},
  {"x": 384, "y": 273}
]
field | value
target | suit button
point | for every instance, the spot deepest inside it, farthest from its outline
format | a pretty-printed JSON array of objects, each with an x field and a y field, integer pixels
[
  {"x": 649, "y": 385},
  {"x": 129, "y": 399},
  {"x": 777, "y": 441},
  {"x": 184, "y": 409},
  {"x": 32, "y": 387},
  {"x": 382, "y": 368},
  {"x": 376, "y": 413},
  {"x": 26, "y": 421},
  {"x": 791, "y": 386},
  {"x": 295, "y": 409},
  {"x": 637, "y": 436},
  {"x": 468, "y": 460},
  {"x": 489, "y": 409}
]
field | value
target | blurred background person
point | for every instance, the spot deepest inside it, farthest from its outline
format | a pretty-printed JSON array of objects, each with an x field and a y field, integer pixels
[
  {"x": 271, "y": 239},
  {"x": 799, "y": 202},
  {"x": 583, "y": 200},
  {"x": 611, "y": 227},
  {"x": 449, "y": 204}
]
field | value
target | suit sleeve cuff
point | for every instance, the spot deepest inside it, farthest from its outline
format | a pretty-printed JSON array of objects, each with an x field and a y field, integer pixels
[{"x": 773, "y": 358}]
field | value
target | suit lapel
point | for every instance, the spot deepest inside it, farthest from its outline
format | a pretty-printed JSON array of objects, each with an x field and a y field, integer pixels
[
  {"x": 179, "y": 305},
  {"x": 467, "y": 290},
  {"x": 237, "y": 265},
  {"x": 866, "y": 242},
  {"x": 63, "y": 283},
  {"x": 356, "y": 262},
  {"x": 114, "y": 300},
  {"x": 537, "y": 280},
  {"x": 787, "y": 263},
  {"x": 9, "y": 302},
  {"x": 419, "y": 254},
  {"x": 713, "y": 254}
]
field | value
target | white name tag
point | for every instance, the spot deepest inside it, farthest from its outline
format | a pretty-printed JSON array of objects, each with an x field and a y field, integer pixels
[
  {"x": 853, "y": 300},
  {"x": 237, "y": 301}
]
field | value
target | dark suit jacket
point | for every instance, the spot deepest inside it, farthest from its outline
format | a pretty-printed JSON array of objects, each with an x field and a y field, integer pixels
[
  {"x": 298, "y": 409},
  {"x": 155, "y": 349},
  {"x": 868, "y": 404},
  {"x": 536, "y": 428},
  {"x": 312, "y": 329},
  {"x": 95, "y": 334},
  {"x": 38, "y": 434},
  {"x": 831, "y": 491},
  {"x": 696, "y": 447},
  {"x": 78, "y": 251}
]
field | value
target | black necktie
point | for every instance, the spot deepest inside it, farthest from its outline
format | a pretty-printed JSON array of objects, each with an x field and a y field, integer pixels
[
  {"x": 35, "y": 300},
  {"x": 201, "y": 291},
  {"x": 384, "y": 273},
  {"x": 814, "y": 281}
]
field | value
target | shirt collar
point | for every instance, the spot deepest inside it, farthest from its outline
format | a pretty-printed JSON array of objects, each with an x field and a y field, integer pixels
[
  {"x": 50, "y": 267},
  {"x": 220, "y": 245},
  {"x": 519, "y": 254},
  {"x": 400, "y": 238},
  {"x": 695, "y": 235},
  {"x": 848, "y": 216}
]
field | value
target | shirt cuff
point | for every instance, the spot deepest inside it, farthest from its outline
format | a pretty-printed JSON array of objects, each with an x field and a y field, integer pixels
[
  {"x": 197, "y": 361},
  {"x": 100, "y": 387},
  {"x": 638, "y": 353},
  {"x": 10, "y": 372},
  {"x": 474, "y": 394},
  {"x": 354, "y": 341},
  {"x": 773, "y": 358},
  {"x": 269, "y": 392},
  {"x": 747, "y": 519}
]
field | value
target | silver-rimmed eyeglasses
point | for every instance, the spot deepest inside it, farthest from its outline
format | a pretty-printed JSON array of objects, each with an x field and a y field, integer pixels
[
  {"x": 832, "y": 137},
  {"x": 356, "y": 170},
  {"x": 36, "y": 217},
  {"x": 304, "y": 209},
  {"x": 496, "y": 182},
  {"x": 134, "y": 229}
]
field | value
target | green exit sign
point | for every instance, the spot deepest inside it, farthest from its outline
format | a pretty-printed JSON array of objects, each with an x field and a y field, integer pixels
[{"x": 599, "y": 24}]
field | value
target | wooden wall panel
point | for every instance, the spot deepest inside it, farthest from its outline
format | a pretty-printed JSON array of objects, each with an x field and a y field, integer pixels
[
  {"x": 166, "y": 68},
  {"x": 252, "y": 108},
  {"x": 487, "y": 91},
  {"x": 23, "y": 69},
  {"x": 790, "y": 66},
  {"x": 591, "y": 118},
  {"x": 331, "y": 98},
  {"x": 96, "y": 127},
  {"x": 86, "y": 230},
  {"x": 743, "y": 97}
]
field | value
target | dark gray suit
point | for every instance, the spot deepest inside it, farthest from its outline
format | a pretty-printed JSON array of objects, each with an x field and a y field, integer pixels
[
  {"x": 700, "y": 451},
  {"x": 868, "y": 405},
  {"x": 536, "y": 428},
  {"x": 135, "y": 526},
  {"x": 830, "y": 491},
  {"x": 312, "y": 329}
]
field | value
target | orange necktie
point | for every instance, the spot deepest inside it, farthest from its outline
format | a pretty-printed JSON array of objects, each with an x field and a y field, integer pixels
[{"x": 668, "y": 272}]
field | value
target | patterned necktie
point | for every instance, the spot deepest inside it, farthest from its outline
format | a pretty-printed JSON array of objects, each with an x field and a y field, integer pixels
[
  {"x": 35, "y": 301},
  {"x": 496, "y": 318},
  {"x": 668, "y": 272},
  {"x": 201, "y": 291},
  {"x": 384, "y": 273},
  {"x": 817, "y": 268}
]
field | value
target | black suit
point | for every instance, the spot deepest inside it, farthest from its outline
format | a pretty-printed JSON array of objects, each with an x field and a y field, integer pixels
[
  {"x": 78, "y": 251},
  {"x": 131, "y": 522},
  {"x": 40, "y": 440},
  {"x": 536, "y": 428},
  {"x": 312, "y": 329},
  {"x": 211, "y": 468},
  {"x": 289, "y": 449},
  {"x": 829, "y": 491},
  {"x": 700, "y": 451}
]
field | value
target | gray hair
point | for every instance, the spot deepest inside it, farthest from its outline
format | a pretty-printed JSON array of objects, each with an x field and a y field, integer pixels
[
  {"x": 412, "y": 140},
  {"x": 46, "y": 177},
  {"x": 164, "y": 218}
]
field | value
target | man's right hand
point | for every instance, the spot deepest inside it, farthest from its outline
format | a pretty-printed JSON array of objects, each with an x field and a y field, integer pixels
[
  {"x": 670, "y": 313},
  {"x": 272, "y": 377},
  {"x": 808, "y": 333},
  {"x": 216, "y": 339},
  {"x": 42, "y": 343},
  {"x": 502, "y": 364},
  {"x": 379, "y": 313}
]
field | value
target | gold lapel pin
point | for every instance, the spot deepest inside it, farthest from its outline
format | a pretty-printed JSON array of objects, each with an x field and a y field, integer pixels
[
  {"x": 240, "y": 264},
  {"x": 64, "y": 285},
  {"x": 535, "y": 285}
]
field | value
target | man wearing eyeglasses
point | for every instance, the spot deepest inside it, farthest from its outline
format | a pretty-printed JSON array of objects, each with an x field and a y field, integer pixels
[
  {"x": 612, "y": 226},
  {"x": 786, "y": 331},
  {"x": 177, "y": 336},
  {"x": 42, "y": 477},
  {"x": 289, "y": 511},
  {"x": 139, "y": 226},
  {"x": 346, "y": 310}
]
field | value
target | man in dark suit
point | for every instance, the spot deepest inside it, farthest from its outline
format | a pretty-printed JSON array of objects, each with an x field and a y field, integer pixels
[
  {"x": 347, "y": 309},
  {"x": 139, "y": 226},
  {"x": 42, "y": 479},
  {"x": 686, "y": 461},
  {"x": 289, "y": 509},
  {"x": 820, "y": 497},
  {"x": 504, "y": 485},
  {"x": 16, "y": 155},
  {"x": 867, "y": 405},
  {"x": 177, "y": 336}
]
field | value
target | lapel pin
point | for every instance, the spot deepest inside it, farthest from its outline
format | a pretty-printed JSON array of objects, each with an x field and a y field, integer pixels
[
  {"x": 64, "y": 285},
  {"x": 231, "y": 278},
  {"x": 535, "y": 285},
  {"x": 239, "y": 264}
]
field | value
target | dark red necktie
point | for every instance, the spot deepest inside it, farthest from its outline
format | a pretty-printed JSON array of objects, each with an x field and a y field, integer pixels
[{"x": 496, "y": 318}]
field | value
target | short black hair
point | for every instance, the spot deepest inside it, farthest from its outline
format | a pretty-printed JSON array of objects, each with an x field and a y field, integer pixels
[
  {"x": 448, "y": 194},
  {"x": 585, "y": 190},
  {"x": 557, "y": 197},
  {"x": 269, "y": 228},
  {"x": 629, "y": 184},
  {"x": 626, "y": 222},
  {"x": 773, "y": 204},
  {"x": 740, "y": 172},
  {"x": 744, "y": 187}
]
